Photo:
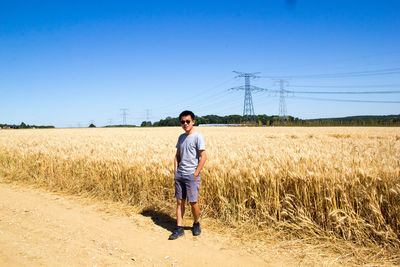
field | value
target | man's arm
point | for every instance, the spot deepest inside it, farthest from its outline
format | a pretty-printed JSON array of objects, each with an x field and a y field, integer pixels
[
  {"x": 203, "y": 157},
  {"x": 177, "y": 159}
]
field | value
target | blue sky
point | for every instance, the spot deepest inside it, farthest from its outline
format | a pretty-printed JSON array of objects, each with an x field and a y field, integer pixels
[{"x": 67, "y": 63}]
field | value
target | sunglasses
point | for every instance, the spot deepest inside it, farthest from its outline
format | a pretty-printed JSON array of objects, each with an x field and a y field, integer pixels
[{"x": 187, "y": 121}]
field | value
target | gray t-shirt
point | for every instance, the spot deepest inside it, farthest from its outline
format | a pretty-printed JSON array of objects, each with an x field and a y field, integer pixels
[{"x": 189, "y": 147}]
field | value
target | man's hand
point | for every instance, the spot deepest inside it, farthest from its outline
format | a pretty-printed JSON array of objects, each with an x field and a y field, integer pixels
[
  {"x": 203, "y": 158},
  {"x": 176, "y": 160}
]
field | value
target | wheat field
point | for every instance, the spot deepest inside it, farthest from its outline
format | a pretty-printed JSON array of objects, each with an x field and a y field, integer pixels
[{"x": 305, "y": 182}]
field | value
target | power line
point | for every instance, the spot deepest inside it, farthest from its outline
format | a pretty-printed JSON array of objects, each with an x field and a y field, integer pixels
[
  {"x": 347, "y": 100},
  {"x": 343, "y": 74},
  {"x": 222, "y": 101},
  {"x": 345, "y": 92},
  {"x": 214, "y": 100},
  {"x": 228, "y": 105},
  {"x": 349, "y": 86},
  {"x": 198, "y": 96}
]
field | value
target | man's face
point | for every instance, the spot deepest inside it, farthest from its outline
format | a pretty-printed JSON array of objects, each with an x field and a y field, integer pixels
[{"x": 188, "y": 123}]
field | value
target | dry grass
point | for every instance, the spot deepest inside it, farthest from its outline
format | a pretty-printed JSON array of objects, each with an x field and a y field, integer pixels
[{"x": 303, "y": 183}]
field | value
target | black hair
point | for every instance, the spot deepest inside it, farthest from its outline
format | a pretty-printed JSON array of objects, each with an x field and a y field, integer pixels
[{"x": 187, "y": 113}]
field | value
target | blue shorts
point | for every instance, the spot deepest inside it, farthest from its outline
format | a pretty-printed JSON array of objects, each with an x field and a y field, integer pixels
[{"x": 187, "y": 186}]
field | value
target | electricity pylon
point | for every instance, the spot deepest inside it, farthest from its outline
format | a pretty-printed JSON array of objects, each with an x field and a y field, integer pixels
[
  {"x": 248, "y": 108},
  {"x": 148, "y": 114},
  {"x": 282, "y": 103},
  {"x": 124, "y": 114}
]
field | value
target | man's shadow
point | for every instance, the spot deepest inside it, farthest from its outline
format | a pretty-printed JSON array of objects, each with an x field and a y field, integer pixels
[{"x": 162, "y": 219}]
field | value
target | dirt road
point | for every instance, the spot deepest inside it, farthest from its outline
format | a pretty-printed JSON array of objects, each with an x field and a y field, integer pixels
[{"x": 39, "y": 228}]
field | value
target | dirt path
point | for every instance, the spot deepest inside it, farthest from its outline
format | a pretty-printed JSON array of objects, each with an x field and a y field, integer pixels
[{"x": 38, "y": 228}]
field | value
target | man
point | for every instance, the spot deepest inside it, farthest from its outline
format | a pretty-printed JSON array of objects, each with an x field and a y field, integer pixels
[{"x": 189, "y": 160}]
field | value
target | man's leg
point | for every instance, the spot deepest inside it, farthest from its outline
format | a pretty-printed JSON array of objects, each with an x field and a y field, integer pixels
[
  {"x": 195, "y": 211},
  {"x": 180, "y": 195},
  {"x": 180, "y": 211},
  {"x": 193, "y": 186},
  {"x": 196, "y": 215}
]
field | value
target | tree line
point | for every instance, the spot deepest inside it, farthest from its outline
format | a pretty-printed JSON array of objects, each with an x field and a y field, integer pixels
[
  {"x": 24, "y": 126},
  {"x": 265, "y": 120}
]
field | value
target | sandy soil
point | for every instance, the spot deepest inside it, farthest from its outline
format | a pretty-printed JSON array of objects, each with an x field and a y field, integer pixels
[{"x": 39, "y": 228}]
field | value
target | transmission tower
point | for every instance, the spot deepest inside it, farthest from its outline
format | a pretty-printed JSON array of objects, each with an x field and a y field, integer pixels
[
  {"x": 248, "y": 108},
  {"x": 282, "y": 103},
  {"x": 124, "y": 114},
  {"x": 148, "y": 114}
]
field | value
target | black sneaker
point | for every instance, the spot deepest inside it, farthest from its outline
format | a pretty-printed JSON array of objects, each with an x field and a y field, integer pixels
[
  {"x": 178, "y": 231},
  {"x": 196, "y": 228}
]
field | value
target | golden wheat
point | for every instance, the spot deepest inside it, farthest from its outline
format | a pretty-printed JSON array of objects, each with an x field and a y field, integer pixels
[{"x": 331, "y": 182}]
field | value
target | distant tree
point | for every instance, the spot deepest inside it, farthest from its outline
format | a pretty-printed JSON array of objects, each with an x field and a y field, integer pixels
[
  {"x": 264, "y": 119},
  {"x": 233, "y": 119},
  {"x": 92, "y": 125},
  {"x": 23, "y": 125},
  {"x": 145, "y": 124}
]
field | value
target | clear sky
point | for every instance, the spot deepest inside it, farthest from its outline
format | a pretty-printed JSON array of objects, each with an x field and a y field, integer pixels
[{"x": 67, "y": 63}]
